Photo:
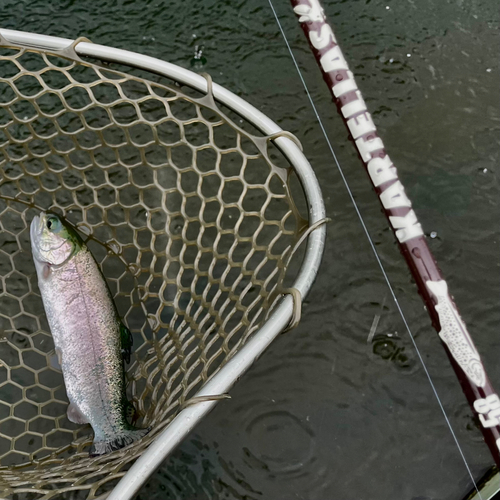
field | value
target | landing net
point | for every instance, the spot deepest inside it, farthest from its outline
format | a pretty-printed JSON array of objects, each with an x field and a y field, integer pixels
[{"x": 188, "y": 211}]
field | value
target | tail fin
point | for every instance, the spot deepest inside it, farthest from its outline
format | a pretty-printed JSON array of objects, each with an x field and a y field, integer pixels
[{"x": 119, "y": 440}]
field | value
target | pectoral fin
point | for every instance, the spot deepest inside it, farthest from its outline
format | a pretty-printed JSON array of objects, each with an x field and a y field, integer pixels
[
  {"x": 131, "y": 413},
  {"x": 126, "y": 342},
  {"x": 75, "y": 415}
]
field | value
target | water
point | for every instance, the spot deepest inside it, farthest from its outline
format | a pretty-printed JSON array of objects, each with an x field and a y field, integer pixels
[{"x": 326, "y": 412}]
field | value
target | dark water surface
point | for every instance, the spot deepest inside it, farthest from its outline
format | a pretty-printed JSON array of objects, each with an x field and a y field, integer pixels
[{"x": 325, "y": 413}]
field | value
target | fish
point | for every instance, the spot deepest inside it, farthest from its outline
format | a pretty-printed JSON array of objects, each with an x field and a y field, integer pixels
[{"x": 90, "y": 341}]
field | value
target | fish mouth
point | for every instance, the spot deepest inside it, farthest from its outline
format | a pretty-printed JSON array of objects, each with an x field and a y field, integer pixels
[
  {"x": 37, "y": 224},
  {"x": 36, "y": 230},
  {"x": 41, "y": 221}
]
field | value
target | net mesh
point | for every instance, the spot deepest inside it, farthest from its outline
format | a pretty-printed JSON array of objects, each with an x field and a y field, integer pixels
[{"x": 190, "y": 220}]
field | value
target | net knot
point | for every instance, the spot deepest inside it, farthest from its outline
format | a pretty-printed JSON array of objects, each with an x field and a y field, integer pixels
[
  {"x": 70, "y": 51},
  {"x": 288, "y": 135},
  {"x": 308, "y": 232},
  {"x": 294, "y": 292},
  {"x": 297, "y": 308}
]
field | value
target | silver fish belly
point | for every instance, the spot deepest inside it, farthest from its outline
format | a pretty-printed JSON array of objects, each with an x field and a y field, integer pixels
[{"x": 86, "y": 331}]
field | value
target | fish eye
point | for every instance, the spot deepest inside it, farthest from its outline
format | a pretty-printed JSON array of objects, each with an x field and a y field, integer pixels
[{"x": 52, "y": 223}]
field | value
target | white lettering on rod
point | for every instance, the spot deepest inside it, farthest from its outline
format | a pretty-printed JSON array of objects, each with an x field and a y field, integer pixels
[
  {"x": 333, "y": 60},
  {"x": 381, "y": 170},
  {"x": 394, "y": 196},
  {"x": 323, "y": 38},
  {"x": 361, "y": 125},
  {"x": 407, "y": 227}
]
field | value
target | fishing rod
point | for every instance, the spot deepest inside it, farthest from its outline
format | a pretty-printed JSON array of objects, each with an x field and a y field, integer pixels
[{"x": 403, "y": 220}]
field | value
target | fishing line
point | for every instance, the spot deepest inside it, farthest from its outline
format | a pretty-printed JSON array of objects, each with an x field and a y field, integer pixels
[{"x": 374, "y": 250}]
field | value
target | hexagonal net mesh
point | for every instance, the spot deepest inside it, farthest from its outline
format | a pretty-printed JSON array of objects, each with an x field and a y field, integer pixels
[{"x": 190, "y": 220}]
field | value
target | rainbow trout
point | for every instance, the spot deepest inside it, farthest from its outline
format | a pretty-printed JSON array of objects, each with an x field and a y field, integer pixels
[{"x": 90, "y": 340}]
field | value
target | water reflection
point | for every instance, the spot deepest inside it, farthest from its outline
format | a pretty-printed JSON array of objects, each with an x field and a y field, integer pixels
[{"x": 281, "y": 443}]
